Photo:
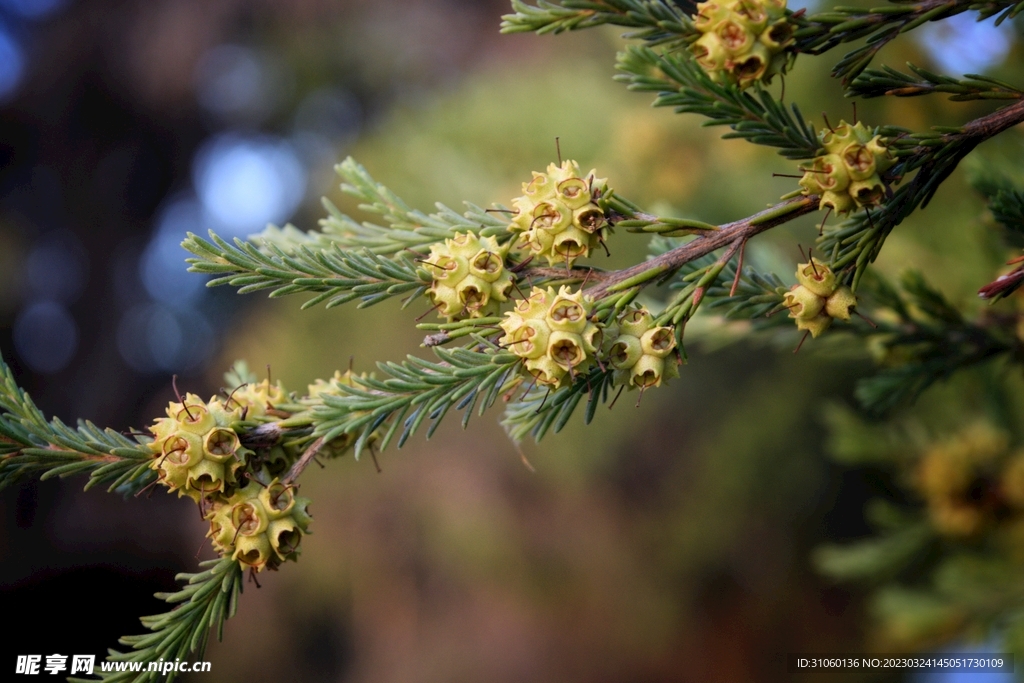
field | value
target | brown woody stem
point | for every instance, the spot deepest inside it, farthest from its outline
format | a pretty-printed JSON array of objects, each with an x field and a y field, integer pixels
[
  {"x": 731, "y": 234},
  {"x": 303, "y": 462}
]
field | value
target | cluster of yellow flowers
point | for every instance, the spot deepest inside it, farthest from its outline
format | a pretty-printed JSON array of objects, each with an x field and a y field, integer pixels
[
  {"x": 556, "y": 337},
  {"x": 197, "y": 452},
  {"x": 818, "y": 299},
  {"x": 469, "y": 276},
  {"x": 558, "y": 217},
  {"x": 742, "y": 41},
  {"x": 848, "y": 174}
]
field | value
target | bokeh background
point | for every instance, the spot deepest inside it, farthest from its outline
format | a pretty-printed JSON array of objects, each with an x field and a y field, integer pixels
[{"x": 666, "y": 542}]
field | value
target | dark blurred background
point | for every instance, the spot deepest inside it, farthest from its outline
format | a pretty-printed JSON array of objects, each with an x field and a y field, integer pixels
[{"x": 667, "y": 542}]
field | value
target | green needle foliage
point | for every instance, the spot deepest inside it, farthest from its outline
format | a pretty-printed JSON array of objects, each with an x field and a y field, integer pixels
[
  {"x": 823, "y": 31},
  {"x": 541, "y": 410},
  {"x": 208, "y": 599},
  {"x": 412, "y": 392},
  {"x": 929, "y": 337},
  {"x": 31, "y": 446},
  {"x": 889, "y": 81},
  {"x": 656, "y": 21},
  {"x": 524, "y": 319},
  {"x": 336, "y": 276}
]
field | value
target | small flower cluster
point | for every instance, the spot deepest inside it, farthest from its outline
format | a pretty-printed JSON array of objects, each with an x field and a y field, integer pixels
[
  {"x": 557, "y": 337},
  {"x": 260, "y": 525},
  {"x": 742, "y": 41},
  {"x": 848, "y": 174},
  {"x": 553, "y": 333},
  {"x": 469, "y": 276},
  {"x": 197, "y": 452},
  {"x": 639, "y": 350},
  {"x": 558, "y": 217},
  {"x": 818, "y": 299}
]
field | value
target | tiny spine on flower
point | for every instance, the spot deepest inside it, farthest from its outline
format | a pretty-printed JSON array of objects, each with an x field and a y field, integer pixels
[{"x": 818, "y": 298}]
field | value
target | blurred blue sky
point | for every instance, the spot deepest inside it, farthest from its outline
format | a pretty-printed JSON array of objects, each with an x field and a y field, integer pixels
[{"x": 962, "y": 44}]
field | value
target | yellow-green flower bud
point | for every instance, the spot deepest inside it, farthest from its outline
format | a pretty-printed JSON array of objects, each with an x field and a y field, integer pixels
[
  {"x": 541, "y": 187},
  {"x": 840, "y": 303},
  {"x": 867, "y": 192},
  {"x": 848, "y": 175},
  {"x": 257, "y": 399},
  {"x": 735, "y": 38},
  {"x": 469, "y": 276},
  {"x": 570, "y": 245},
  {"x": 221, "y": 445},
  {"x": 625, "y": 352},
  {"x": 817, "y": 277},
  {"x": 827, "y": 173},
  {"x": 778, "y": 36},
  {"x": 752, "y": 66},
  {"x": 260, "y": 526},
  {"x": 574, "y": 193},
  {"x": 192, "y": 415},
  {"x": 589, "y": 219},
  {"x": 752, "y": 14},
  {"x": 803, "y": 303},
  {"x": 635, "y": 322},
  {"x": 566, "y": 349},
  {"x": 710, "y": 53},
  {"x": 859, "y": 161},
  {"x": 839, "y": 202},
  {"x": 196, "y": 450},
  {"x": 546, "y": 371},
  {"x": 658, "y": 342},
  {"x": 553, "y": 334},
  {"x": 710, "y": 14},
  {"x": 278, "y": 500},
  {"x": 558, "y": 217},
  {"x": 647, "y": 372},
  {"x": 568, "y": 313},
  {"x": 530, "y": 340},
  {"x": 637, "y": 350},
  {"x": 815, "y": 325}
]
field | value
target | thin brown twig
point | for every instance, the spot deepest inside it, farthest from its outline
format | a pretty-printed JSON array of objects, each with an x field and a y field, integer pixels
[
  {"x": 709, "y": 241},
  {"x": 739, "y": 269},
  {"x": 303, "y": 462}
]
